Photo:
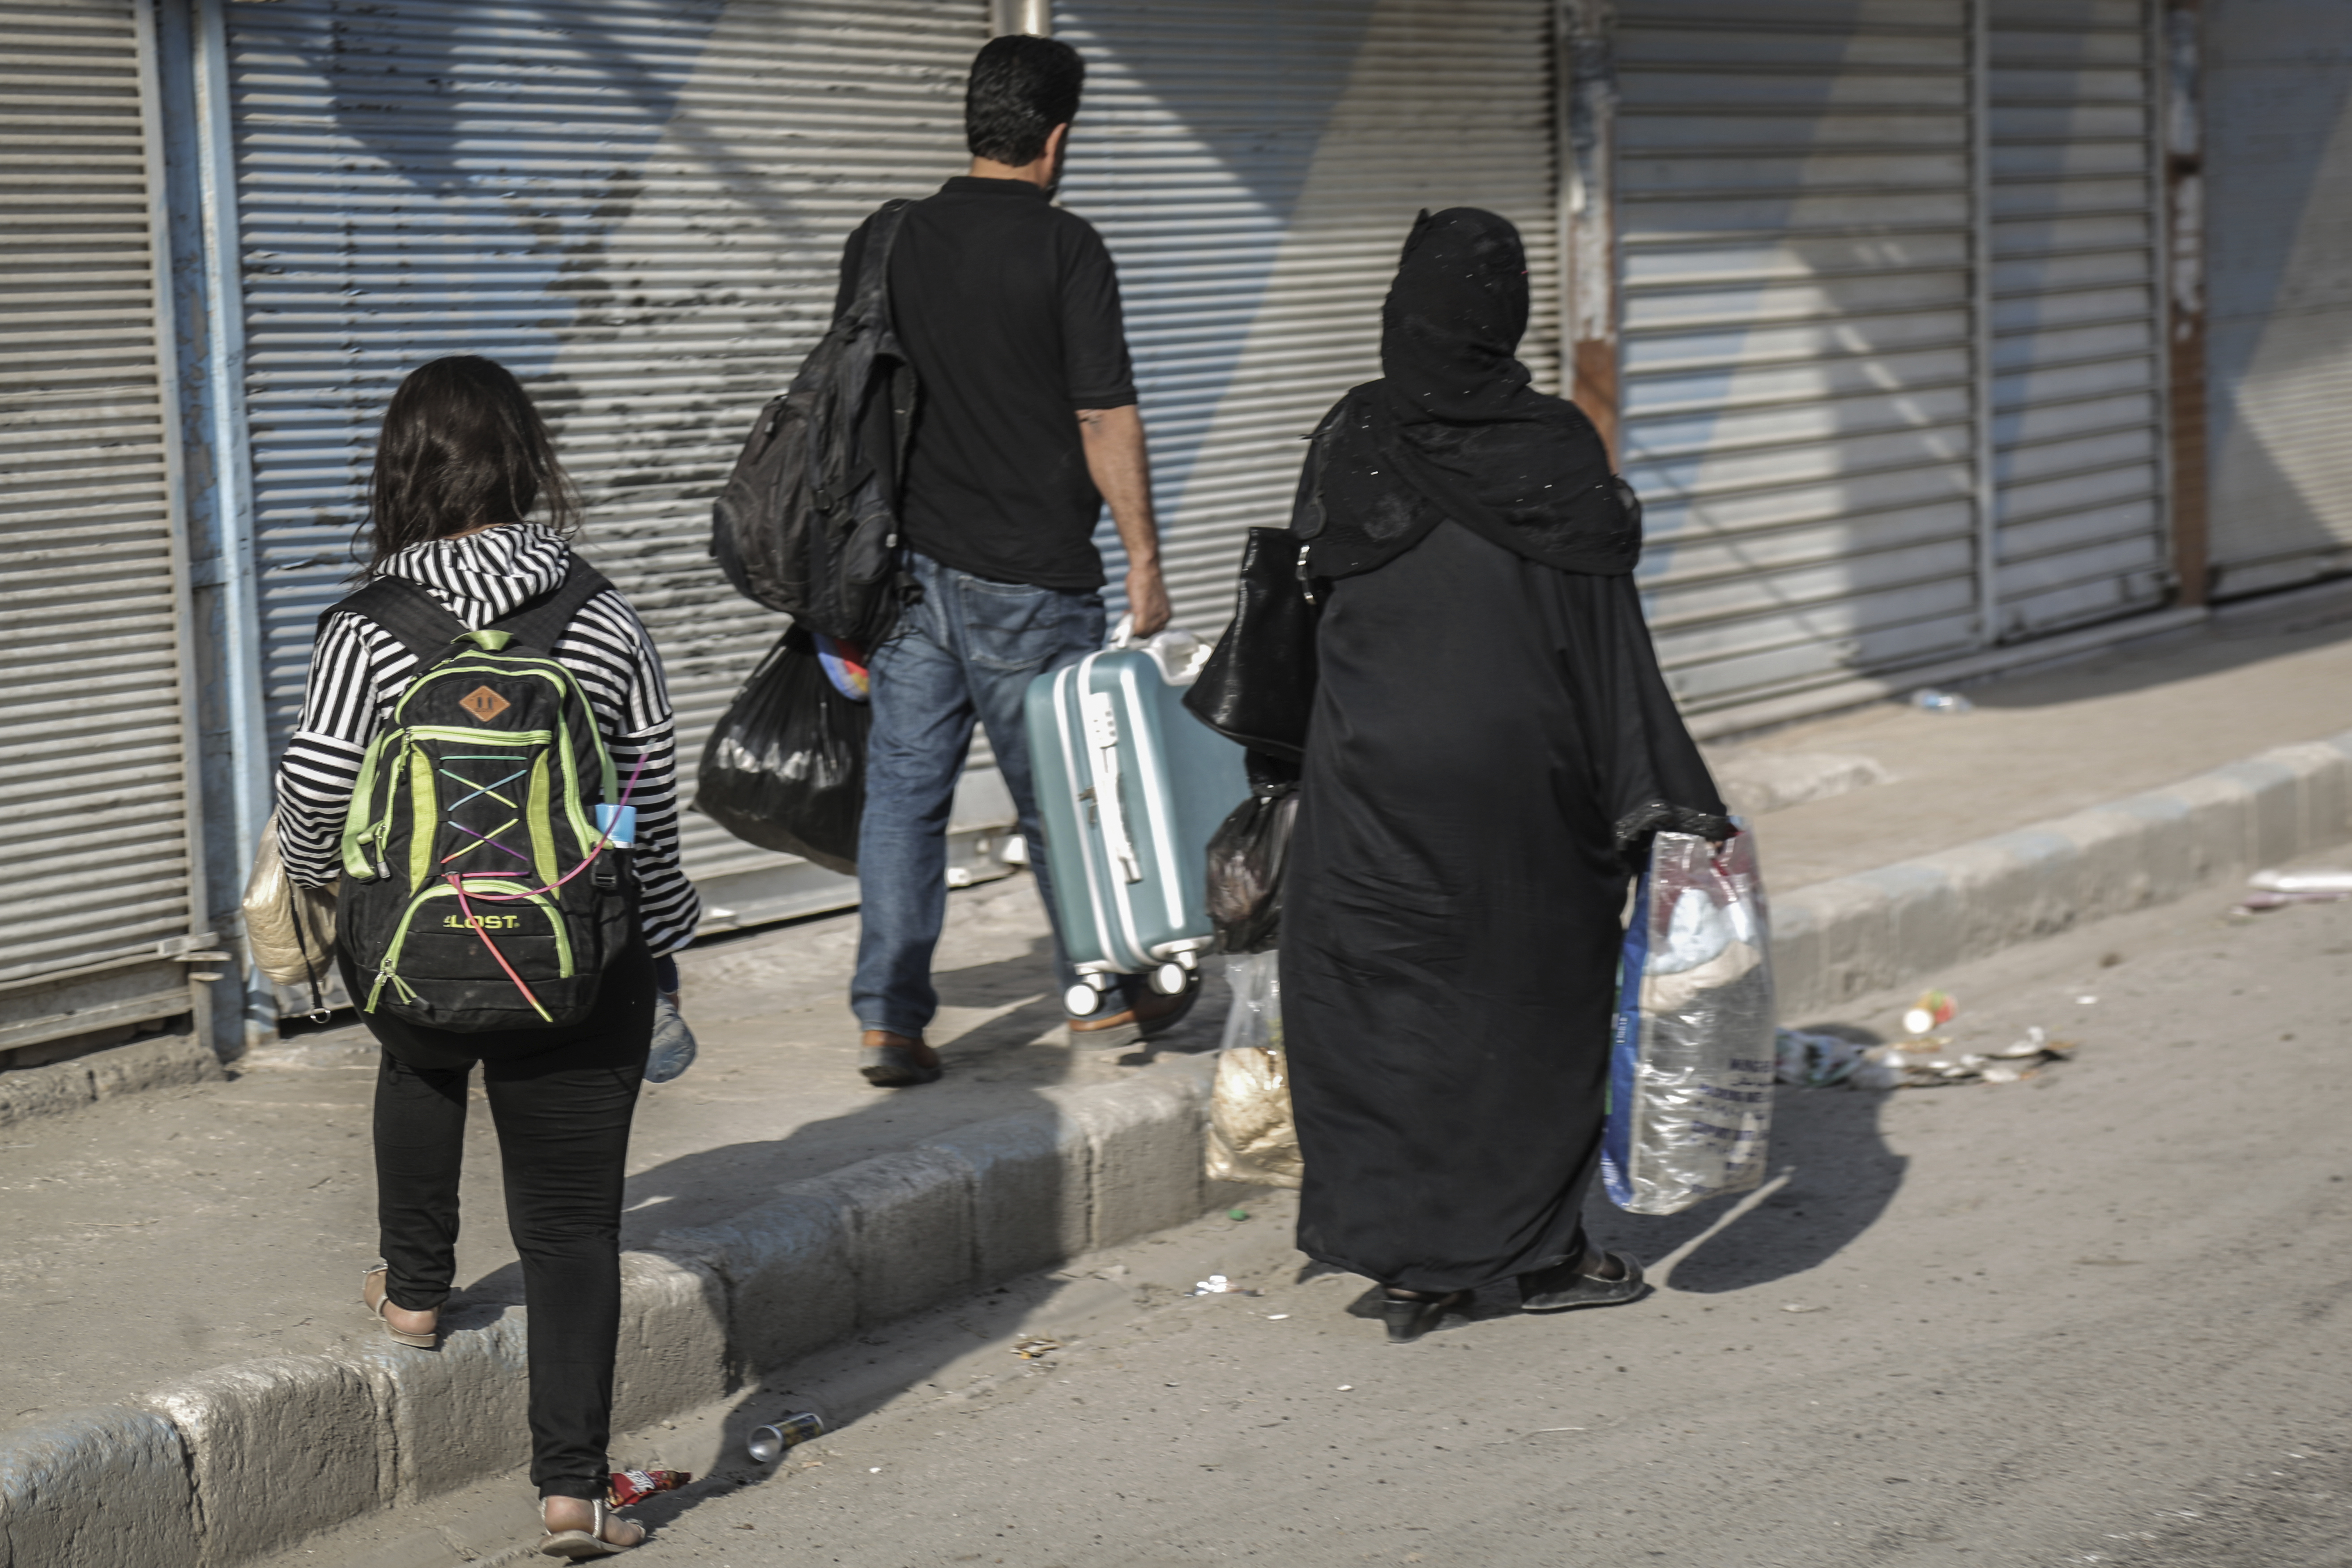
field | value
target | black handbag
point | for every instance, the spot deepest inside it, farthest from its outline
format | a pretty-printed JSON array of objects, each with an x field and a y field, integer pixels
[{"x": 1258, "y": 685}]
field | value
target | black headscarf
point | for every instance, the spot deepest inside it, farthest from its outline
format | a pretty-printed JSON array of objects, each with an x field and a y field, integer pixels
[{"x": 1453, "y": 429}]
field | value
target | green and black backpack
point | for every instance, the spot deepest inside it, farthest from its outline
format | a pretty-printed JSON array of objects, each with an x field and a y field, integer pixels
[{"x": 479, "y": 891}]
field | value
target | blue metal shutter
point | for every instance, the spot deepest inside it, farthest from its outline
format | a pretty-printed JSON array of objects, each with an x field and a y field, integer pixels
[
  {"x": 1254, "y": 167},
  {"x": 2076, "y": 333},
  {"x": 2278, "y": 231},
  {"x": 638, "y": 206},
  {"x": 94, "y": 817},
  {"x": 1794, "y": 211}
]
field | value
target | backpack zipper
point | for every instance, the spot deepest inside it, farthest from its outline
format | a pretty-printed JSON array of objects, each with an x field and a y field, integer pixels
[{"x": 507, "y": 890}]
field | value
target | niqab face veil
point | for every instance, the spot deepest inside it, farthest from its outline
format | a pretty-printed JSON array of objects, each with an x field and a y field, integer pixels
[
  {"x": 1454, "y": 428},
  {"x": 1452, "y": 324}
]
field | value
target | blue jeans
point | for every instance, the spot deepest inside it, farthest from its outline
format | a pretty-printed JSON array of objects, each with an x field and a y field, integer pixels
[{"x": 967, "y": 652}]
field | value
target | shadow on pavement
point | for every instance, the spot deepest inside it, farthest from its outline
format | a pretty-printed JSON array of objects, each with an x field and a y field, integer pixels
[
  {"x": 2249, "y": 638},
  {"x": 1017, "y": 1056},
  {"x": 1840, "y": 1177}
]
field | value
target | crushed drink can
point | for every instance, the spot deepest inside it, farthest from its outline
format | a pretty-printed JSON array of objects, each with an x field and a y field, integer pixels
[
  {"x": 626, "y": 1486},
  {"x": 768, "y": 1442}
]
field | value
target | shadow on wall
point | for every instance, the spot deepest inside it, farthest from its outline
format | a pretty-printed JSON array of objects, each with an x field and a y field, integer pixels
[
  {"x": 638, "y": 209},
  {"x": 448, "y": 218},
  {"x": 1191, "y": 162},
  {"x": 2278, "y": 231},
  {"x": 1796, "y": 315}
]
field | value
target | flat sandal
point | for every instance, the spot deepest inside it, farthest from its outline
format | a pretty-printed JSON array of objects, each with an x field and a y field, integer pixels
[
  {"x": 1566, "y": 1286},
  {"x": 589, "y": 1543},
  {"x": 374, "y": 1296}
]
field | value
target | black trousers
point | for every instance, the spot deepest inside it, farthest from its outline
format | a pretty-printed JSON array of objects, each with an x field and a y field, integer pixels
[{"x": 563, "y": 1105}]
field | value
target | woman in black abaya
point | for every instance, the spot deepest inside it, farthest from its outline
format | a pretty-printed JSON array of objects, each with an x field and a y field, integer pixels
[{"x": 1492, "y": 746}]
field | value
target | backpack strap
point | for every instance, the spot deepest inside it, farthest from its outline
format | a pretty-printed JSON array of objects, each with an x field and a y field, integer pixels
[
  {"x": 423, "y": 625},
  {"x": 426, "y": 629},
  {"x": 540, "y": 625},
  {"x": 871, "y": 302}
]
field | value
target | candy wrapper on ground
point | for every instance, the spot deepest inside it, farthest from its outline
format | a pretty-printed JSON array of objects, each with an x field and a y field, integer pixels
[
  {"x": 626, "y": 1486},
  {"x": 1691, "y": 1068}
]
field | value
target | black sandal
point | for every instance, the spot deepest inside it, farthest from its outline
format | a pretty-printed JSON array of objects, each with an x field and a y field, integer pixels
[
  {"x": 1409, "y": 1317},
  {"x": 1566, "y": 1285}
]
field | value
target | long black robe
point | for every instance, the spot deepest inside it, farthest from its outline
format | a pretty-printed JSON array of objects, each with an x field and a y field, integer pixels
[{"x": 1491, "y": 745}]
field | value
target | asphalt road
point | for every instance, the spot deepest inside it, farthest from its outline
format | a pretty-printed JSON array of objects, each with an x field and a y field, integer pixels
[{"x": 2096, "y": 1317}]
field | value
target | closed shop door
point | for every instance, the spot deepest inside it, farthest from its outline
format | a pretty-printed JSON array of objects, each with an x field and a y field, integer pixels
[
  {"x": 93, "y": 755},
  {"x": 2076, "y": 337},
  {"x": 1254, "y": 165},
  {"x": 1794, "y": 211},
  {"x": 2278, "y": 184},
  {"x": 638, "y": 207}
]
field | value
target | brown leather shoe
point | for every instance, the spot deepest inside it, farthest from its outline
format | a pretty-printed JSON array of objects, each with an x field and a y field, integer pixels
[
  {"x": 1147, "y": 1011},
  {"x": 896, "y": 1061}
]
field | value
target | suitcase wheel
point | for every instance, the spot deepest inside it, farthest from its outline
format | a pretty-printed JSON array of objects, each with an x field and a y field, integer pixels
[
  {"x": 1170, "y": 979},
  {"x": 1080, "y": 1000}
]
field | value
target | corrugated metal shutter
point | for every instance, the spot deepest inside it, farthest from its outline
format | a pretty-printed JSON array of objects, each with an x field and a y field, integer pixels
[
  {"x": 1794, "y": 216},
  {"x": 2075, "y": 292},
  {"x": 1254, "y": 167},
  {"x": 93, "y": 774},
  {"x": 637, "y": 205},
  {"x": 2278, "y": 188}
]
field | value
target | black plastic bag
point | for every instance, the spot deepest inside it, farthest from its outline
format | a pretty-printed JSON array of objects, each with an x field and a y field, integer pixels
[
  {"x": 1247, "y": 855},
  {"x": 785, "y": 768}
]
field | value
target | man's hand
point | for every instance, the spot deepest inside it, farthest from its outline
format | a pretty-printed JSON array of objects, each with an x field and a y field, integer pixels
[
  {"x": 1121, "y": 468},
  {"x": 1146, "y": 598}
]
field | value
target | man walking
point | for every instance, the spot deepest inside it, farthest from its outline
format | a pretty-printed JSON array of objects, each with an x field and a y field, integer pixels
[{"x": 1008, "y": 308}]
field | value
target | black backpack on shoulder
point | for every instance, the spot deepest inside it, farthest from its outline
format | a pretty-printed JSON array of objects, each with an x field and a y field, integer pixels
[
  {"x": 479, "y": 890},
  {"x": 808, "y": 523}
]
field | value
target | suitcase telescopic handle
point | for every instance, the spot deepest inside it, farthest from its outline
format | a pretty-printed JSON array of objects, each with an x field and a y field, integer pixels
[{"x": 1102, "y": 758}]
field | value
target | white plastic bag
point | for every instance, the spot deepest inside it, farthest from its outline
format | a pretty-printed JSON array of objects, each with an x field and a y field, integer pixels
[
  {"x": 1252, "y": 1136},
  {"x": 1692, "y": 1064}
]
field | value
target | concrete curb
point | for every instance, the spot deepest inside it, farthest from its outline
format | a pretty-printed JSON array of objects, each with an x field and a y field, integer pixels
[
  {"x": 163, "y": 1061},
  {"x": 251, "y": 1459},
  {"x": 1838, "y": 940}
]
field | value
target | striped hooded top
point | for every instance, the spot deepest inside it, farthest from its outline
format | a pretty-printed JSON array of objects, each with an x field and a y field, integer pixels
[{"x": 358, "y": 671}]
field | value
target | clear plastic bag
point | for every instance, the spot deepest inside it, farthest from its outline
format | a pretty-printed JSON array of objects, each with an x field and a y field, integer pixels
[
  {"x": 1251, "y": 1136},
  {"x": 1692, "y": 1065}
]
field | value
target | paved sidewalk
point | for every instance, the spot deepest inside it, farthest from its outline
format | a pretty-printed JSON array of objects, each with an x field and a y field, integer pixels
[
  {"x": 164, "y": 1233},
  {"x": 2042, "y": 744},
  {"x": 156, "y": 1235}
]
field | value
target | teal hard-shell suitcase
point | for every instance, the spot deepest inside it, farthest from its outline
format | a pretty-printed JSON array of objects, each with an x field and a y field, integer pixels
[{"x": 1129, "y": 787}]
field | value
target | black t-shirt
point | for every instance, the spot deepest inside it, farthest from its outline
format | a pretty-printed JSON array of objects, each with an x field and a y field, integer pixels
[{"x": 1008, "y": 306}]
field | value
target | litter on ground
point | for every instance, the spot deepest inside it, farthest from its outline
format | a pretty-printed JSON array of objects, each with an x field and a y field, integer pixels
[
  {"x": 2277, "y": 889},
  {"x": 1931, "y": 1012},
  {"x": 1813, "y": 1060}
]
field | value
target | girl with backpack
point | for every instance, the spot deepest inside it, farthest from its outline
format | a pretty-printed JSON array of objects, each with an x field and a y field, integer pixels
[{"x": 484, "y": 766}]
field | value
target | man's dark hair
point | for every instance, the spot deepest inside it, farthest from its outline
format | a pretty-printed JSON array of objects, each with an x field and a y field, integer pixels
[{"x": 1022, "y": 87}]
